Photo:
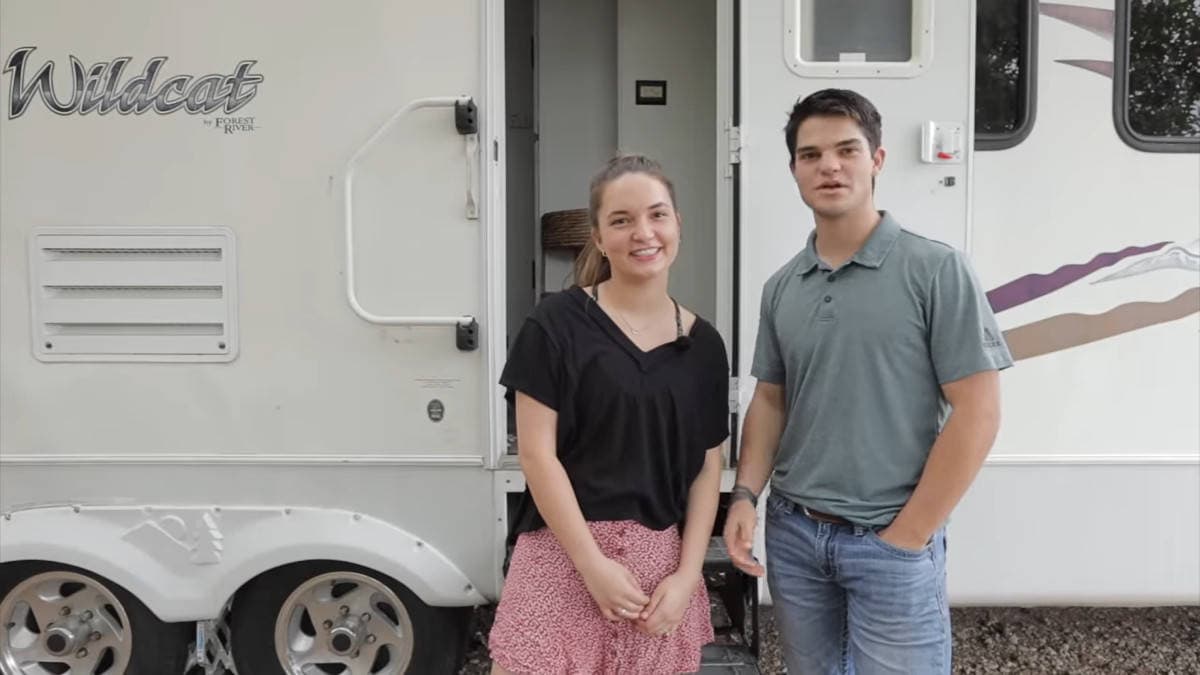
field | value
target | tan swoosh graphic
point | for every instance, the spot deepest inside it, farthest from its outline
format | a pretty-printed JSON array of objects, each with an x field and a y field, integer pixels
[{"x": 1064, "y": 331}]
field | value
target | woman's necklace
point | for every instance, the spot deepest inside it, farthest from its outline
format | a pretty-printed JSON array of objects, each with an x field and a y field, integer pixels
[
  {"x": 621, "y": 315},
  {"x": 628, "y": 325}
]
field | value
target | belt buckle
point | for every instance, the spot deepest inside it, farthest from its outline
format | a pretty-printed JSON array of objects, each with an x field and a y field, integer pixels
[{"x": 808, "y": 514}]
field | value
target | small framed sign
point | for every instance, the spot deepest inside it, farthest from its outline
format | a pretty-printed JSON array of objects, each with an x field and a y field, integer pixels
[{"x": 651, "y": 92}]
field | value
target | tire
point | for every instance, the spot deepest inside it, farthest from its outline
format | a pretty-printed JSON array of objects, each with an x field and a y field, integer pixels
[
  {"x": 98, "y": 611},
  {"x": 279, "y": 620}
]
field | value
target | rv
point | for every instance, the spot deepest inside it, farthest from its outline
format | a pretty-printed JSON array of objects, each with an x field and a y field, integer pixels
[{"x": 260, "y": 263}]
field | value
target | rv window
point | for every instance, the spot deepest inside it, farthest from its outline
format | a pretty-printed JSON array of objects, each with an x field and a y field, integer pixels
[
  {"x": 858, "y": 38},
  {"x": 1157, "y": 85},
  {"x": 1005, "y": 39},
  {"x": 856, "y": 30}
]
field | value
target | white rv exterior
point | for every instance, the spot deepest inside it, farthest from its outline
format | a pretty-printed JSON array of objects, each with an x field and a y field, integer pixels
[{"x": 230, "y": 344}]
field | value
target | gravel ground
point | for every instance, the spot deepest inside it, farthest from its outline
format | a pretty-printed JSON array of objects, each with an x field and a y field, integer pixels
[{"x": 1158, "y": 640}]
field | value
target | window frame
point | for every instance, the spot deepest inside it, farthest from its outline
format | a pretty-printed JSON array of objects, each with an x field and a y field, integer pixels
[
  {"x": 1026, "y": 87},
  {"x": 921, "y": 57},
  {"x": 1120, "y": 102}
]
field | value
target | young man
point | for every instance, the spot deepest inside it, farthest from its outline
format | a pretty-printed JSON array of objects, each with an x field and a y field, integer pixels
[{"x": 867, "y": 340}]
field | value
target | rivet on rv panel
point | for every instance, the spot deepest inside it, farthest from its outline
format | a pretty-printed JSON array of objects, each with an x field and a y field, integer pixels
[
  {"x": 75, "y": 508},
  {"x": 49, "y": 345},
  {"x": 358, "y": 516},
  {"x": 420, "y": 544},
  {"x": 287, "y": 512},
  {"x": 220, "y": 345}
]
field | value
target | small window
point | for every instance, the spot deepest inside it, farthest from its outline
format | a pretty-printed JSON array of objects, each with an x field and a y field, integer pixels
[
  {"x": 1005, "y": 40},
  {"x": 858, "y": 38},
  {"x": 1157, "y": 84}
]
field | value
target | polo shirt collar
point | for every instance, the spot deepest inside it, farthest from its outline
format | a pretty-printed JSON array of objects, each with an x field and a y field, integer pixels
[
  {"x": 879, "y": 244},
  {"x": 872, "y": 253}
]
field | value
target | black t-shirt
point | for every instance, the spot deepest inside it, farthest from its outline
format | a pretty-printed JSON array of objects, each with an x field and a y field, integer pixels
[{"x": 633, "y": 426}]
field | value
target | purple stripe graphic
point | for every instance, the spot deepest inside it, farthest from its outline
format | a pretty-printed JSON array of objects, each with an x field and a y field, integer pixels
[
  {"x": 1034, "y": 286},
  {"x": 1094, "y": 20},
  {"x": 1105, "y": 68}
]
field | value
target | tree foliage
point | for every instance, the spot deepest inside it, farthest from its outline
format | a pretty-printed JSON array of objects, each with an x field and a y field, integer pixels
[{"x": 1164, "y": 67}]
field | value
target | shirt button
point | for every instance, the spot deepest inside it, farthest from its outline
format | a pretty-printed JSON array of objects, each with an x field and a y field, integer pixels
[
  {"x": 829, "y": 298},
  {"x": 831, "y": 278}
]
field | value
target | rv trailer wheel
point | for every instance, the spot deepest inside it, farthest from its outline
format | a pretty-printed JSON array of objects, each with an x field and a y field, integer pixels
[
  {"x": 327, "y": 618},
  {"x": 61, "y": 619}
]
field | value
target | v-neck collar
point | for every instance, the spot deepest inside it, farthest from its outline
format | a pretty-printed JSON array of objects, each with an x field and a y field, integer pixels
[{"x": 645, "y": 358}]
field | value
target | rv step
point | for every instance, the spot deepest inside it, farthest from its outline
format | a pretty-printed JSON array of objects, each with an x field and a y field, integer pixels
[
  {"x": 725, "y": 660},
  {"x": 733, "y": 598}
]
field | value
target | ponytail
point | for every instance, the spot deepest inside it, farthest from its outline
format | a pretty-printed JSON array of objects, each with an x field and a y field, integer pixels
[{"x": 591, "y": 267}]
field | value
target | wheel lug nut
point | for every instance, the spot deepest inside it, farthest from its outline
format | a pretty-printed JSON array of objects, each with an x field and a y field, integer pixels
[
  {"x": 95, "y": 636},
  {"x": 344, "y": 610},
  {"x": 87, "y": 615},
  {"x": 366, "y": 616},
  {"x": 81, "y": 654},
  {"x": 371, "y": 639},
  {"x": 64, "y": 611},
  {"x": 328, "y": 624}
]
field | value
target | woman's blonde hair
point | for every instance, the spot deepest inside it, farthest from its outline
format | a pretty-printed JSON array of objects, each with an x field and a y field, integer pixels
[{"x": 591, "y": 267}]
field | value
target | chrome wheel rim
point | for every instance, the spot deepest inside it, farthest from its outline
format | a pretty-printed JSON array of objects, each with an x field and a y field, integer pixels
[
  {"x": 343, "y": 623},
  {"x": 63, "y": 623}
]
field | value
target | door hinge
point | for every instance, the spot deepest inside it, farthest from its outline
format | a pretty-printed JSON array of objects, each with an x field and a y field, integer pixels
[
  {"x": 734, "y": 136},
  {"x": 735, "y": 396}
]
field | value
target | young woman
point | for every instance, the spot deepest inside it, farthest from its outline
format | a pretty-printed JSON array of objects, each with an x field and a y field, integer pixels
[{"x": 622, "y": 409}]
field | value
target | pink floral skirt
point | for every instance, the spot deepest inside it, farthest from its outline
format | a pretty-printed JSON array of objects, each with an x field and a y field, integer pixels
[{"x": 548, "y": 624}]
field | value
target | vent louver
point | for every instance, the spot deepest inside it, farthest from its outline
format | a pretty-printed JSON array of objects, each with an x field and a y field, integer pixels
[{"x": 133, "y": 294}]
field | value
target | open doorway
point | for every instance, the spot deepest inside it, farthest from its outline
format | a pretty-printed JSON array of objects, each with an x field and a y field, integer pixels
[{"x": 586, "y": 79}]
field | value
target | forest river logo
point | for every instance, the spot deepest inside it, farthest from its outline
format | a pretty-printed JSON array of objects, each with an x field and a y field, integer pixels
[{"x": 99, "y": 88}]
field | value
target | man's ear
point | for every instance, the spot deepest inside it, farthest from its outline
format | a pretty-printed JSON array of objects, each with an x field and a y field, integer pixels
[{"x": 880, "y": 156}]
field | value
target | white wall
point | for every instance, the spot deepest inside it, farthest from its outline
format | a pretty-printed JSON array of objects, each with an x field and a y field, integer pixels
[
  {"x": 675, "y": 40},
  {"x": 577, "y": 128}
]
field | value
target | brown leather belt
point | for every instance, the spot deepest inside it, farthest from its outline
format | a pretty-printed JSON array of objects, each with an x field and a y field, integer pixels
[{"x": 824, "y": 517}]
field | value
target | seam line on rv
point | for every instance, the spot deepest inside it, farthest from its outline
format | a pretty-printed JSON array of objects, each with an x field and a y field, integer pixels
[{"x": 314, "y": 460}]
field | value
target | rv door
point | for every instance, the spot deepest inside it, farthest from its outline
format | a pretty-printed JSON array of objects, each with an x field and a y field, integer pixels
[{"x": 912, "y": 60}]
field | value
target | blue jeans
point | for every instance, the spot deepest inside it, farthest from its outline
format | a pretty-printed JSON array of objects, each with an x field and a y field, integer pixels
[{"x": 848, "y": 602}]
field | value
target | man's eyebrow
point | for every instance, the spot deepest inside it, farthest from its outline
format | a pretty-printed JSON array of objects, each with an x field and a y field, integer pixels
[{"x": 840, "y": 144}]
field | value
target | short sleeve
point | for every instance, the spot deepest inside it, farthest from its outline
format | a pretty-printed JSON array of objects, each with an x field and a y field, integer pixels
[
  {"x": 768, "y": 361},
  {"x": 964, "y": 337},
  {"x": 715, "y": 404},
  {"x": 534, "y": 366}
]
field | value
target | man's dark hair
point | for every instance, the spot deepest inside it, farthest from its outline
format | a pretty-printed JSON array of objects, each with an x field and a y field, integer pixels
[{"x": 835, "y": 103}]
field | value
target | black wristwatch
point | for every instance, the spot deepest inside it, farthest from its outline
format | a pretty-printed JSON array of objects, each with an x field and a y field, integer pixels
[{"x": 742, "y": 492}]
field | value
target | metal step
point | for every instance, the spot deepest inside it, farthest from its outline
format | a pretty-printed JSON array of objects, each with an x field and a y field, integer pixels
[
  {"x": 733, "y": 597},
  {"x": 723, "y": 660}
]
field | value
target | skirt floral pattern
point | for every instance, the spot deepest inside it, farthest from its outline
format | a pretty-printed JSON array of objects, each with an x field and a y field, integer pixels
[{"x": 547, "y": 622}]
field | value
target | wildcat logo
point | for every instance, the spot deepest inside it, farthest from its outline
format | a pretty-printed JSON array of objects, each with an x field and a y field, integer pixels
[{"x": 99, "y": 88}]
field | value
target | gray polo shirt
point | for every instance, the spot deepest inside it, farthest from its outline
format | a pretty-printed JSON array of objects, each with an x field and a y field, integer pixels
[{"x": 861, "y": 352}]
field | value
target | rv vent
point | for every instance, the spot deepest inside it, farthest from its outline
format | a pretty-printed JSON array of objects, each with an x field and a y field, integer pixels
[{"x": 133, "y": 294}]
